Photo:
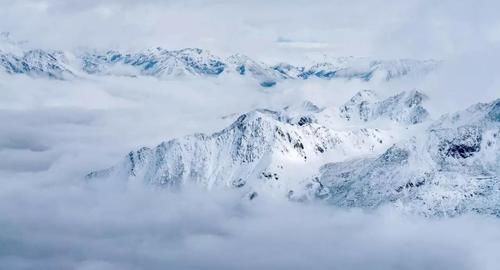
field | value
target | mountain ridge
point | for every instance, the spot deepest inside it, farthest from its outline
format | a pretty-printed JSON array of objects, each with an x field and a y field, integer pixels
[
  {"x": 162, "y": 63},
  {"x": 442, "y": 167},
  {"x": 449, "y": 169},
  {"x": 259, "y": 145}
]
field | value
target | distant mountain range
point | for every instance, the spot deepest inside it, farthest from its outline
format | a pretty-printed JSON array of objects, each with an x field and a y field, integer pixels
[{"x": 159, "y": 62}]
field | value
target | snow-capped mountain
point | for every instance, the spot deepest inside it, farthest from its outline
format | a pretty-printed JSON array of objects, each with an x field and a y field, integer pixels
[
  {"x": 261, "y": 150},
  {"x": 154, "y": 62},
  {"x": 450, "y": 168},
  {"x": 443, "y": 167},
  {"x": 367, "y": 69},
  {"x": 405, "y": 107},
  {"x": 51, "y": 64},
  {"x": 16, "y": 58}
]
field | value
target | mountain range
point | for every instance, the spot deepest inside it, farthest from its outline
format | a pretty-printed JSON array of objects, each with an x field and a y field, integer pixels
[
  {"x": 370, "y": 152},
  {"x": 16, "y": 58}
]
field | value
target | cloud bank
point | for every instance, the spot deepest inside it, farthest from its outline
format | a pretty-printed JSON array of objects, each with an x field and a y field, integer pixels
[
  {"x": 54, "y": 132},
  {"x": 53, "y": 228}
]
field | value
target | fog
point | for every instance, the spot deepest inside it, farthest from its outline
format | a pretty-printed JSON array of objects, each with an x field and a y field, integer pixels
[
  {"x": 51, "y": 228},
  {"x": 54, "y": 132},
  {"x": 269, "y": 30}
]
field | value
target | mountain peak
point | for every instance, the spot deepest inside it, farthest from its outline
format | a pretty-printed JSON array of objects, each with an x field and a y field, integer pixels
[
  {"x": 405, "y": 107},
  {"x": 449, "y": 169},
  {"x": 256, "y": 149}
]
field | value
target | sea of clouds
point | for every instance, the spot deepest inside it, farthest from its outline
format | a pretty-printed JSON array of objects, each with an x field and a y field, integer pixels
[{"x": 54, "y": 132}]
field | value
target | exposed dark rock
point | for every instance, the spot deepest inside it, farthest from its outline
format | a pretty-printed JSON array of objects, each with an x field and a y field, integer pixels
[
  {"x": 239, "y": 183},
  {"x": 253, "y": 195}
]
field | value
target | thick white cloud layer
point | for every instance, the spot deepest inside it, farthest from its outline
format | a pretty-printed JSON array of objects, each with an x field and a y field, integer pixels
[
  {"x": 51, "y": 228},
  {"x": 54, "y": 132}
]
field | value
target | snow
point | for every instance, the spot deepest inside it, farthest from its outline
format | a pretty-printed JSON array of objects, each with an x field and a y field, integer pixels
[
  {"x": 444, "y": 167},
  {"x": 163, "y": 63},
  {"x": 449, "y": 168},
  {"x": 261, "y": 151},
  {"x": 370, "y": 151}
]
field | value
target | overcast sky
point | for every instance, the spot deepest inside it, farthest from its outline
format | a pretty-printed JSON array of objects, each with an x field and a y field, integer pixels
[{"x": 269, "y": 29}]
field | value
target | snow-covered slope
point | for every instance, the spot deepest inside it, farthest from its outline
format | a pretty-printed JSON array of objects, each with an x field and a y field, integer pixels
[
  {"x": 154, "y": 62},
  {"x": 405, "y": 107},
  {"x": 367, "y": 69},
  {"x": 262, "y": 150},
  {"x": 244, "y": 65},
  {"x": 51, "y": 64},
  {"x": 445, "y": 167},
  {"x": 163, "y": 63},
  {"x": 452, "y": 167},
  {"x": 15, "y": 58}
]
